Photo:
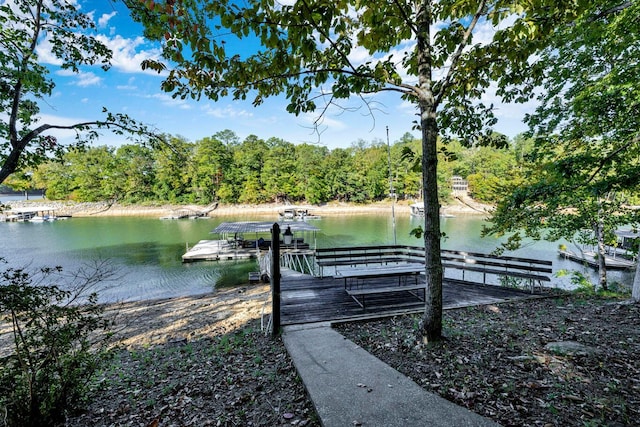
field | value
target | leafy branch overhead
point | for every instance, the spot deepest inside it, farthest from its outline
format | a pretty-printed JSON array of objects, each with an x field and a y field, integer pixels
[
  {"x": 433, "y": 54},
  {"x": 25, "y": 25},
  {"x": 310, "y": 51}
]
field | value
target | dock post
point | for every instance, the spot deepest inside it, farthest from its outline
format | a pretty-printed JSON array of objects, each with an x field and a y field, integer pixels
[{"x": 275, "y": 279}]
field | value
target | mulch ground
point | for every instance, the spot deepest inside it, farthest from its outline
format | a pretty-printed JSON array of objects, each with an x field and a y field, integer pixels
[
  {"x": 242, "y": 378},
  {"x": 496, "y": 362}
]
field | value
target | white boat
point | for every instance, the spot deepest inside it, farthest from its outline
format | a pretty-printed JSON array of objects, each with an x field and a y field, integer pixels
[
  {"x": 417, "y": 209},
  {"x": 296, "y": 214},
  {"x": 288, "y": 214}
]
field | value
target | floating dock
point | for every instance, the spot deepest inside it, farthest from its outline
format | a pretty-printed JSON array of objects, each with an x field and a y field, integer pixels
[{"x": 590, "y": 259}]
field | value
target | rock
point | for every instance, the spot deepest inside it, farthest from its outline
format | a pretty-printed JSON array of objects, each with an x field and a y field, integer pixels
[{"x": 570, "y": 348}]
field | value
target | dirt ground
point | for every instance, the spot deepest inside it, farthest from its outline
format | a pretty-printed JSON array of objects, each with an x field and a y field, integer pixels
[{"x": 145, "y": 323}]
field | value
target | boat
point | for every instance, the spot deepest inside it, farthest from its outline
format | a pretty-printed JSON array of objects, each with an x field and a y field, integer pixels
[
  {"x": 250, "y": 239},
  {"x": 305, "y": 215},
  {"x": 288, "y": 214},
  {"x": 186, "y": 213},
  {"x": 417, "y": 209},
  {"x": 32, "y": 214},
  {"x": 296, "y": 214}
]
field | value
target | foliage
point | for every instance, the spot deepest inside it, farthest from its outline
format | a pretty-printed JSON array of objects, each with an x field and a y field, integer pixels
[
  {"x": 25, "y": 27},
  {"x": 496, "y": 359},
  {"x": 232, "y": 374},
  {"x": 56, "y": 331},
  {"x": 311, "y": 52},
  {"x": 256, "y": 170},
  {"x": 584, "y": 288},
  {"x": 585, "y": 160}
]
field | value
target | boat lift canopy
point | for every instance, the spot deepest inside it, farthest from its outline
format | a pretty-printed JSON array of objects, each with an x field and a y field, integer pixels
[
  {"x": 236, "y": 229},
  {"x": 34, "y": 209},
  {"x": 261, "y": 227}
]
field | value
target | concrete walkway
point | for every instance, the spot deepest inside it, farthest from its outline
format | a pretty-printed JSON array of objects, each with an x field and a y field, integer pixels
[{"x": 349, "y": 386}]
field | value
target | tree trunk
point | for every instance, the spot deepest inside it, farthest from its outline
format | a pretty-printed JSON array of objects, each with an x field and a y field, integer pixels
[
  {"x": 635, "y": 292},
  {"x": 602, "y": 265},
  {"x": 431, "y": 323}
]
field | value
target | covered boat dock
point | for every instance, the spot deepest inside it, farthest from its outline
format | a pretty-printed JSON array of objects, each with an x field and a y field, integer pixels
[{"x": 246, "y": 239}]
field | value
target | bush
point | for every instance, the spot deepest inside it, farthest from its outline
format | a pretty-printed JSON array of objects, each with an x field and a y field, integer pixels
[{"x": 59, "y": 340}]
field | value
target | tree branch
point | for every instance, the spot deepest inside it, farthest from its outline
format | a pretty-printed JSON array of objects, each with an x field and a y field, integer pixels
[
  {"x": 446, "y": 83},
  {"x": 15, "y": 103},
  {"x": 408, "y": 21},
  {"x": 314, "y": 24},
  {"x": 604, "y": 161},
  {"x": 610, "y": 11}
]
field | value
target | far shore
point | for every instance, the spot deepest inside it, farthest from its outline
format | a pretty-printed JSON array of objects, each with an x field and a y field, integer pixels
[{"x": 89, "y": 209}]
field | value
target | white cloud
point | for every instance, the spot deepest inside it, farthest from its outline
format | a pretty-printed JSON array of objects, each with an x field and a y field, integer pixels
[
  {"x": 104, "y": 19},
  {"x": 44, "y": 50},
  {"x": 130, "y": 86},
  {"x": 128, "y": 53},
  {"x": 126, "y": 56},
  {"x": 227, "y": 112},
  {"x": 88, "y": 79},
  {"x": 168, "y": 101},
  {"x": 83, "y": 78}
]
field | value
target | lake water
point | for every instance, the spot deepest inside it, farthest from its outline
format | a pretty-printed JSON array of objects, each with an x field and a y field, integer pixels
[{"x": 146, "y": 252}]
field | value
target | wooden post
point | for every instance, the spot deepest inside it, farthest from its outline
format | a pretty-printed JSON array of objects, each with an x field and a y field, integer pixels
[{"x": 275, "y": 279}]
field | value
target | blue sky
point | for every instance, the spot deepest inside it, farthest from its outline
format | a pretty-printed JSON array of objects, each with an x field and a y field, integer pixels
[{"x": 126, "y": 88}]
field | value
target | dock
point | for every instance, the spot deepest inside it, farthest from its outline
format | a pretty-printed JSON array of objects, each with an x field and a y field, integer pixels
[
  {"x": 590, "y": 259},
  {"x": 223, "y": 250},
  {"x": 251, "y": 239},
  {"x": 31, "y": 214},
  {"x": 308, "y": 299}
]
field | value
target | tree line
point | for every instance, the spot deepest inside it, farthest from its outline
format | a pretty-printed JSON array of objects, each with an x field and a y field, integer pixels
[{"x": 226, "y": 169}]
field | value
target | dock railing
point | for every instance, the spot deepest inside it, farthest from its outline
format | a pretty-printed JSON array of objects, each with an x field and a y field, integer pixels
[
  {"x": 506, "y": 269},
  {"x": 264, "y": 262}
]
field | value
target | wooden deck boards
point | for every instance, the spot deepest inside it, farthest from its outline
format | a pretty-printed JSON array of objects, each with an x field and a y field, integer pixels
[{"x": 308, "y": 299}]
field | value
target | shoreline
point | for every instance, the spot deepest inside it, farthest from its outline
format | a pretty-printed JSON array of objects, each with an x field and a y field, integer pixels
[
  {"x": 182, "y": 319},
  {"x": 104, "y": 209}
]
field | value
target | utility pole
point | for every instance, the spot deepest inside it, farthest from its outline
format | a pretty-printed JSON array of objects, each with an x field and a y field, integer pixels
[{"x": 392, "y": 192}]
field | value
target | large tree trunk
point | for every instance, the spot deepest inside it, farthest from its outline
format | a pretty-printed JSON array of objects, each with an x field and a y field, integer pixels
[{"x": 431, "y": 324}]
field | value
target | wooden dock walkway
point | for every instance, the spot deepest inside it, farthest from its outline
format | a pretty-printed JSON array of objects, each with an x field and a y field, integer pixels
[
  {"x": 589, "y": 258},
  {"x": 308, "y": 299}
]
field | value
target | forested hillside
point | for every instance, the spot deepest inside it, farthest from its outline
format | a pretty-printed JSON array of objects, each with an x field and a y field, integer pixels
[{"x": 224, "y": 168}]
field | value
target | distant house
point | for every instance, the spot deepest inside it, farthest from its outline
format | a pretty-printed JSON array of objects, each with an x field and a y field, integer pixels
[{"x": 459, "y": 185}]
